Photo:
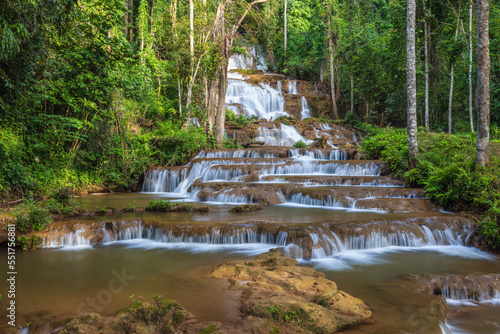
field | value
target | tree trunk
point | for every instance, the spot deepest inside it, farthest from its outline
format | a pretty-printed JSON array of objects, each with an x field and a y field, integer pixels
[
  {"x": 179, "y": 94},
  {"x": 125, "y": 19},
  {"x": 352, "y": 92},
  {"x": 227, "y": 42},
  {"x": 411, "y": 82},
  {"x": 332, "y": 73},
  {"x": 483, "y": 82},
  {"x": 471, "y": 117},
  {"x": 151, "y": 32},
  {"x": 191, "y": 33},
  {"x": 221, "y": 110},
  {"x": 426, "y": 51},
  {"x": 131, "y": 21},
  {"x": 191, "y": 54},
  {"x": 452, "y": 80},
  {"x": 285, "y": 30},
  {"x": 450, "y": 101}
]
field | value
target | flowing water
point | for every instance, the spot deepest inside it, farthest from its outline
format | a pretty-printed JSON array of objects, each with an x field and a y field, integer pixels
[{"x": 326, "y": 208}]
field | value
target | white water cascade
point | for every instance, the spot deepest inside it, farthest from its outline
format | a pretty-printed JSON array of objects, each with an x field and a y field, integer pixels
[
  {"x": 285, "y": 136},
  {"x": 305, "y": 112},
  {"x": 315, "y": 242},
  {"x": 262, "y": 101},
  {"x": 292, "y": 88}
]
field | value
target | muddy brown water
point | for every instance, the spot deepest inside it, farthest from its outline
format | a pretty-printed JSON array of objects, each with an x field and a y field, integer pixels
[{"x": 56, "y": 283}]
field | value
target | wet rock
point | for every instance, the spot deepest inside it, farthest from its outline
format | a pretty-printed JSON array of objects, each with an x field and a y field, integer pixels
[
  {"x": 163, "y": 316},
  {"x": 246, "y": 208},
  {"x": 276, "y": 288}
]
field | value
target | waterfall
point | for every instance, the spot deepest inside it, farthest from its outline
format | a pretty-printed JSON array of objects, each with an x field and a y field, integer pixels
[
  {"x": 262, "y": 101},
  {"x": 305, "y": 112},
  {"x": 163, "y": 180},
  {"x": 285, "y": 136},
  {"x": 292, "y": 87},
  {"x": 311, "y": 242}
]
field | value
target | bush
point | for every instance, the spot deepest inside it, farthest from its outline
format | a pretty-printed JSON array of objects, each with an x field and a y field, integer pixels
[
  {"x": 159, "y": 205},
  {"x": 31, "y": 216},
  {"x": 300, "y": 144},
  {"x": 446, "y": 170},
  {"x": 228, "y": 143},
  {"x": 238, "y": 120},
  {"x": 62, "y": 202},
  {"x": 63, "y": 195}
]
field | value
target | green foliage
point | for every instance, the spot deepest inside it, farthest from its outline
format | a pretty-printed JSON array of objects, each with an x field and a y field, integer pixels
[
  {"x": 231, "y": 143},
  {"x": 159, "y": 205},
  {"x": 130, "y": 208},
  {"x": 446, "y": 170},
  {"x": 238, "y": 120},
  {"x": 300, "y": 144},
  {"x": 31, "y": 216},
  {"x": 490, "y": 226},
  {"x": 177, "y": 146},
  {"x": 389, "y": 145},
  {"x": 211, "y": 329},
  {"x": 29, "y": 243}
]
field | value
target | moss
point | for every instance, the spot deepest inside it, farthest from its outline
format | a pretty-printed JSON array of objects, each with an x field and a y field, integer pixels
[{"x": 211, "y": 329}]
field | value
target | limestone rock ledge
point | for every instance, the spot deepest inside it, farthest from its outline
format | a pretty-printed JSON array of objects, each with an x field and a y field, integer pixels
[{"x": 298, "y": 299}]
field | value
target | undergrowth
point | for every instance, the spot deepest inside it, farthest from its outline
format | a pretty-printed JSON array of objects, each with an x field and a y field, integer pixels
[{"x": 446, "y": 170}]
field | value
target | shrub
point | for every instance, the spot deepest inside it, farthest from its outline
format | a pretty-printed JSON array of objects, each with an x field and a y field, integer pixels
[
  {"x": 31, "y": 216},
  {"x": 63, "y": 195},
  {"x": 159, "y": 205},
  {"x": 238, "y": 120},
  {"x": 228, "y": 143},
  {"x": 300, "y": 144},
  {"x": 446, "y": 170}
]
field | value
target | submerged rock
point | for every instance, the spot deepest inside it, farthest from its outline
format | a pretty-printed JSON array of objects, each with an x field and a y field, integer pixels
[{"x": 246, "y": 208}]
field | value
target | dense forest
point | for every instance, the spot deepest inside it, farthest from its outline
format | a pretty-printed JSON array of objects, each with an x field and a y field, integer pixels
[{"x": 93, "y": 92}]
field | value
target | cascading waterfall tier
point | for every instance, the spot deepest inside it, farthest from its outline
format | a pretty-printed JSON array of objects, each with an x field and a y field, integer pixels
[
  {"x": 303, "y": 242},
  {"x": 471, "y": 289}
]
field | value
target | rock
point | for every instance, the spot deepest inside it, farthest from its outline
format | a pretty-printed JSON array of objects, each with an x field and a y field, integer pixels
[
  {"x": 246, "y": 208},
  {"x": 301, "y": 299}
]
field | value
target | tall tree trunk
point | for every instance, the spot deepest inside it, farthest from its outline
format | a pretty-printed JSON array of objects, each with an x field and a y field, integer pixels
[
  {"x": 352, "y": 92},
  {"x": 411, "y": 81},
  {"x": 213, "y": 102},
  {"x": 426, "y": 51},
  {"x": 450, "y": 101},
  {"x": 483, "y": 82},
  {"x": 131, "y": 21},
  {"x": 471, "y": 117},
  {"x": 452, "y": 81},
  {"x": 191, "y": 54},
  {"x": 179, "y": 94},
  {"x": 332, "y": 72},
  {"x": 221, "y": 110},
  {"x": 125, "y": 19},
  {"x": 151, "y": 32},
  {"x": 191, "y": 33},
  {"x": 285, "y": 29},
  {"x": 227, "y": 42}
]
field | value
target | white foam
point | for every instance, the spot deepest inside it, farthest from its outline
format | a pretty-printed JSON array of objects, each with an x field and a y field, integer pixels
[{"x": 305, "y": 112}]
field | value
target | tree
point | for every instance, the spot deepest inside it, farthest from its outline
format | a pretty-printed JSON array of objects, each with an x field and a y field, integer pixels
[
  {"x": 483, "y": 82},
  {"x": 470, "y": 68},
  {"x": 330, "y": 53},
  {"x": 411, "y": 81},
  {"x": 426, "y": 51},
  {"x": 285, "y": 29},
  {"x": 226, "y": 42}
]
